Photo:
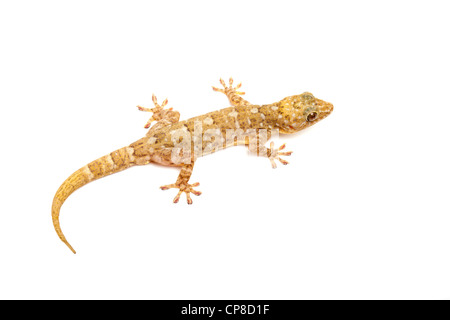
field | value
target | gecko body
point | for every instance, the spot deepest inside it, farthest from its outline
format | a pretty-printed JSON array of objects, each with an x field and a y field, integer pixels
[{"x": 171, "y": 142}]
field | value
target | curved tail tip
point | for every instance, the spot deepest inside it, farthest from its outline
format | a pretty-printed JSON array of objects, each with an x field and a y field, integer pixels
[{"x": 70, "y": 247}]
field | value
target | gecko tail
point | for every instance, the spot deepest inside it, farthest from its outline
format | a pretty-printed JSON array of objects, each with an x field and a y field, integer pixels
[{"x": 116, "y": 161}]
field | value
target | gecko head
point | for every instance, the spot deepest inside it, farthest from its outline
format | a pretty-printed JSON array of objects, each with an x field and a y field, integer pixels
[{"x": 301, "y": 111}]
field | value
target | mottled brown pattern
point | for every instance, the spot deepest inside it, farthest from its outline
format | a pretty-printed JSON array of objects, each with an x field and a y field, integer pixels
[{"x": 172, "y": 142}]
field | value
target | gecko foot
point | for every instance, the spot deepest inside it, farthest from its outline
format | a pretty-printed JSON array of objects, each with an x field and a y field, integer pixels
[
  {"x": 158, "y": 111},
  {"x": 186, "y": 188},
  {"x": 275, "y": 154},
  {"x": 229, "y": 89}
]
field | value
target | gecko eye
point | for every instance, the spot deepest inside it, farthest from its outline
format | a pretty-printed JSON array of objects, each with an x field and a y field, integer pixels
[{"x": 312, "y": 116}]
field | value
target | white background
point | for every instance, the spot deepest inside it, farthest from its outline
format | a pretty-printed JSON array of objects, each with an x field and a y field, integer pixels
[{"x": 361, "y": 211}]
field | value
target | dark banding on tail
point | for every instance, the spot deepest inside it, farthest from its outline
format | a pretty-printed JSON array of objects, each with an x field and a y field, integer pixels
[{"x": 116, "y": 161}]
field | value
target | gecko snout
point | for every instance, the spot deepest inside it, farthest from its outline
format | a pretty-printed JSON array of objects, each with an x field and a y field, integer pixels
[
  {"x": 325, "y": 108},
  {"x": 330, "y": 107}
]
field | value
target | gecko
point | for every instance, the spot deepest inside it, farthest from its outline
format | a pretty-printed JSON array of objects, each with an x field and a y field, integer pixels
[{"x": 171, "y": 142}]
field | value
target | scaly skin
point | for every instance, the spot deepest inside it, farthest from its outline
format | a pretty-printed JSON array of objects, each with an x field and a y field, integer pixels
[{"x": 172, "y": 142}]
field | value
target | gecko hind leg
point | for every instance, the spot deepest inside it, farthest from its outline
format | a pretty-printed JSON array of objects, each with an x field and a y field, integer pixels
[
  {"x": 232, "y": 94},
  {"x": 183, "y": 185},
  {"x": 159, "y": 113}
]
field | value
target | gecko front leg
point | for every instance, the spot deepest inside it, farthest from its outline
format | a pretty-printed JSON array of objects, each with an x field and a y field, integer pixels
[
  {"x": 183, "y": 185},
  {"x": 159, "y": 113},
  {"x": 232, "y": 94},
  {"x": 272, "y": 153}
]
